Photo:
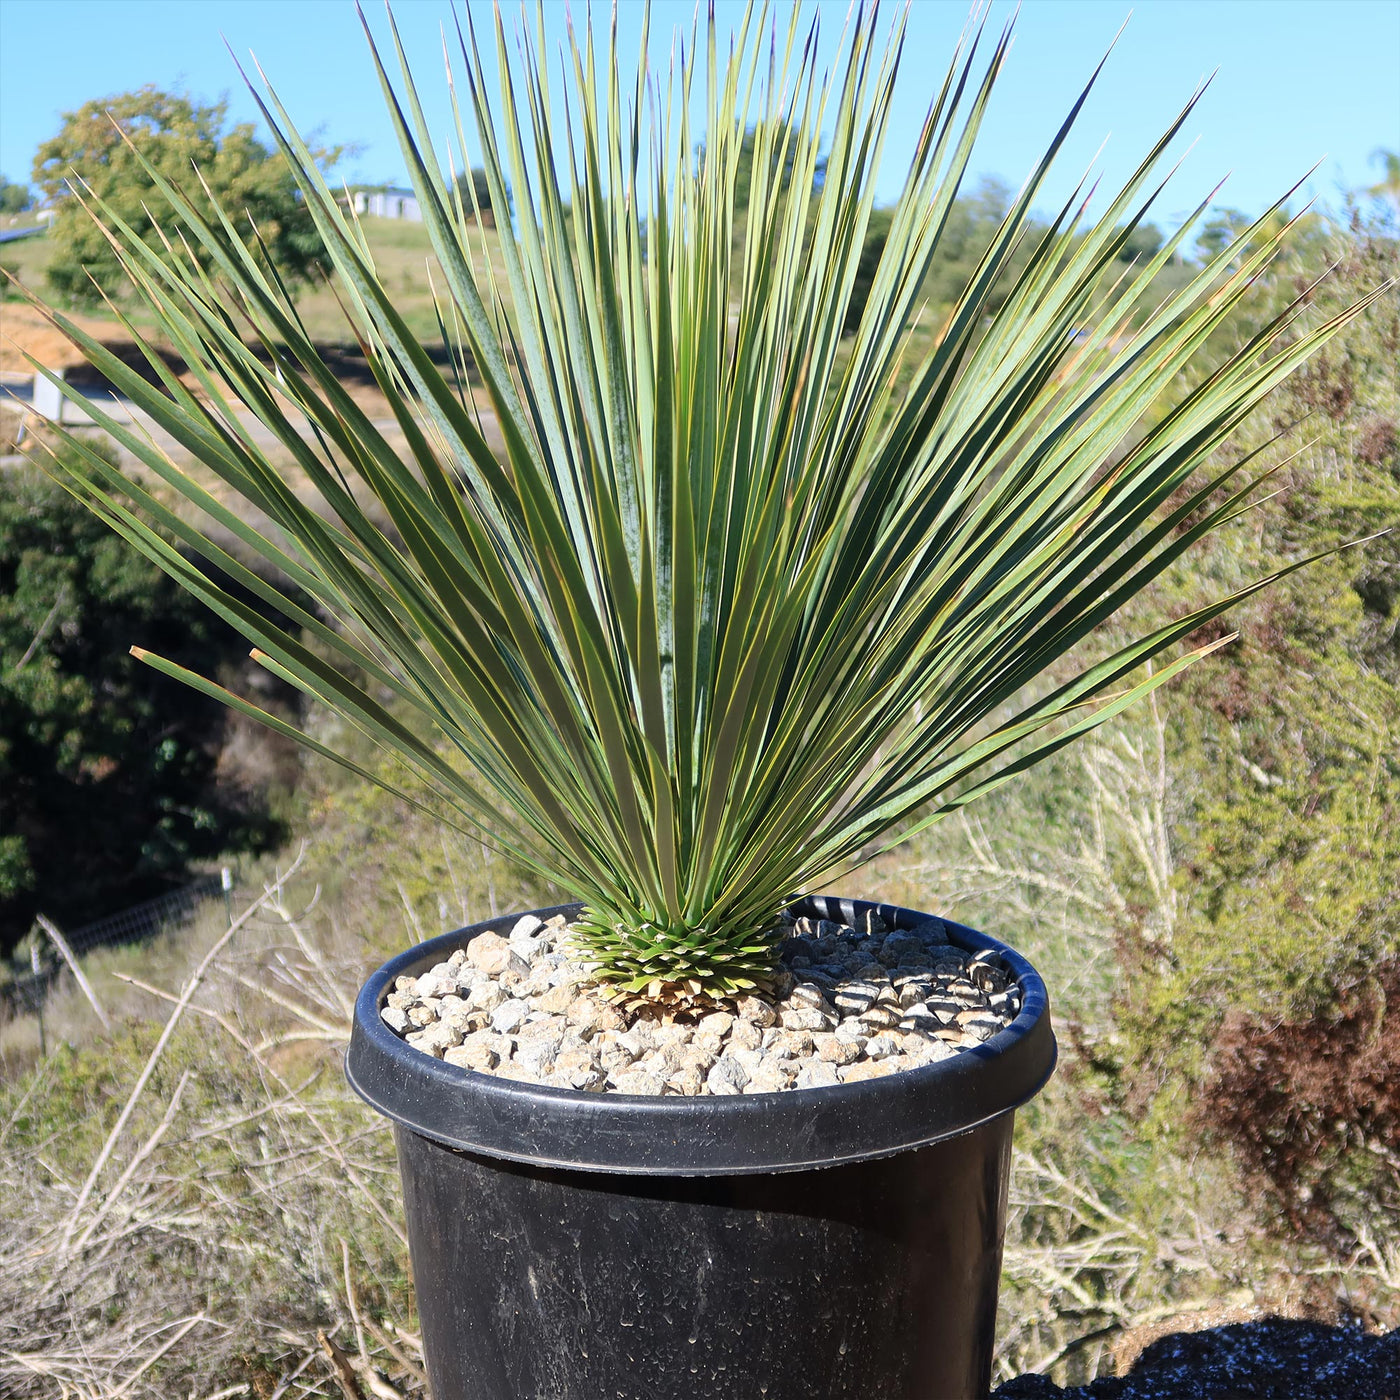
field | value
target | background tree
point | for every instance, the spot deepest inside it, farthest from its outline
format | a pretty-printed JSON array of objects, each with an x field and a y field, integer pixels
[
  {"x": 174, "y": 133},
  {"x": 876, "y": 235},
  {"x": 476, "y": 182},
  {"x": 109, "y": 782},
  {"x": 973, "y": 222},
  {"x": 14, "y": 198},
  {"x": 784, "y": 152},
  {"x": 1388, "y": 186}
]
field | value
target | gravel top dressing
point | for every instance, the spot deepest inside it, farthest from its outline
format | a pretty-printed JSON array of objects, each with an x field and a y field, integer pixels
[{"x": 846, "y": 1004}]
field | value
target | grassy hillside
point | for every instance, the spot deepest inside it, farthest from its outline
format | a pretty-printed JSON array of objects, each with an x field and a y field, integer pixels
[
  {"x": 407, "y": 267},
  {"x": 401, "y": 253}
]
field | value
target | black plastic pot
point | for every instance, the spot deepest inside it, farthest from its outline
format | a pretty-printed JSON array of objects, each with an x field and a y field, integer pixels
[{"x": 821, "y": 1243}]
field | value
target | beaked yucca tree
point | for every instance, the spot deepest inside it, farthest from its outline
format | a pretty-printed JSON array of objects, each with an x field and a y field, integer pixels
[{"x": 736, "y": 598}]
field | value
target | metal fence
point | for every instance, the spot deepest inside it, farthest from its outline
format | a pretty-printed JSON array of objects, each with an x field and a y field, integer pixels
[
  {"x": 168, "y": 911},
  {"x": 142, "y": 920}
]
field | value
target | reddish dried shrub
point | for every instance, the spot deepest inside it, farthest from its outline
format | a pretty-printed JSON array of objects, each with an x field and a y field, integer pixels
[
  {"x": 1376, "y": 440},
  {"x": 1326, "y": 384},
  {"x": 1312, "y": 1108}
]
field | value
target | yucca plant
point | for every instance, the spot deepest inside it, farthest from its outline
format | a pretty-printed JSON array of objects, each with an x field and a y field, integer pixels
[{"x": 738, "y": 599}]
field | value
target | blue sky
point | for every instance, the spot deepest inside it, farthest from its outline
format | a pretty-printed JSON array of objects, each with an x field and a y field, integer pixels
[{"x": 1299, "y": 81}]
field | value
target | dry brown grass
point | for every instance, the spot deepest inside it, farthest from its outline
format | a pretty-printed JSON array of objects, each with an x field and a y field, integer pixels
[{"x": 191, "y": 1203}]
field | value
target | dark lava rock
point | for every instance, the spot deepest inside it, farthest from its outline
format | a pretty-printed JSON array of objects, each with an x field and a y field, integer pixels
[{"x": 1273, "y": 1358}]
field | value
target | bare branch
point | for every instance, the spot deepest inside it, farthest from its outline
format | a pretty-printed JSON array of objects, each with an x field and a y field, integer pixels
[
  {"x": 191, "y": 986},
  {"x": 61, "y": 943}
]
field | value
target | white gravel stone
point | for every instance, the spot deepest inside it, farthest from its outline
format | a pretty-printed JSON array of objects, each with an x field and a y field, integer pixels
[
  {"x": 856, "y": 996},
  {"x": 919, "y": 1017},
  {"x": 983, "y": 1027},
  {"x": 639, "y": 1038},
  {"x": 537, "y": 1054},
  {"x": 638, "y": 1081},
  {"x": 804, "y": 1018},
  {"x": 727, "y": 1076},
  {"x": 928, "y": 1050},
  {"x": 527, "y": 926},
  {"x": 484, "y": 995},
  {"x": 854, "y": 1032},
  {"x": 509, "y": 1016}
]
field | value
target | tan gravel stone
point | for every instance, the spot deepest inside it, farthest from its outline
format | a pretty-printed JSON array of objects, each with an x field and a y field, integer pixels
[
  {"x": 756, "y": 1012},
  {"x": 745, "y": 1035},
  {"x": 867, "y": 1069},
  {"x": 493, "y": 955},
  {"x": 773, "y": 1078},
  {"x": 879, "y": 1018},
  {"x": 472, "y": 1054},
  {"x": 698, "y": 1057},
  {"x": 688, "y": 1080},
  {"x": 590, "y": 1014},
  {"x": 555, "y": 1000},
  {"x": 836, "y": 1051},
  {"x": 788, "y": 1045}
]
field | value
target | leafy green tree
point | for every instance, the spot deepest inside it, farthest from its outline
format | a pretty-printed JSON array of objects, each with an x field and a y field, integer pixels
[
  {"x": 14, "y": 198},
  {"x": 1388, "y": 186},
  {"x": 476, "y": 183},
  {"x": 1142, "y": 243},
  {"x": 971, "y": 229},
  {"x": 108, "y": 782},
  {"x": 101, "y": 146},
  {"x": 777, "y": 146},
  {"x": 876, "y": 236}
]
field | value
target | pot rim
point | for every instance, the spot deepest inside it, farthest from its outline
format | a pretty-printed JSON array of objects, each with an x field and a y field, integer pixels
[{"x": 709, "y": 1135}]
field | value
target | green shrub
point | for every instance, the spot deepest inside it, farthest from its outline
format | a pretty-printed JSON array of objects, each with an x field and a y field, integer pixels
[{"x": 109, "y": 786}]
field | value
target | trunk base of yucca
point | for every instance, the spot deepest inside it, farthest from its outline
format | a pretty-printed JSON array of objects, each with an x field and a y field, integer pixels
[{"x": 808, "y": 1245}]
